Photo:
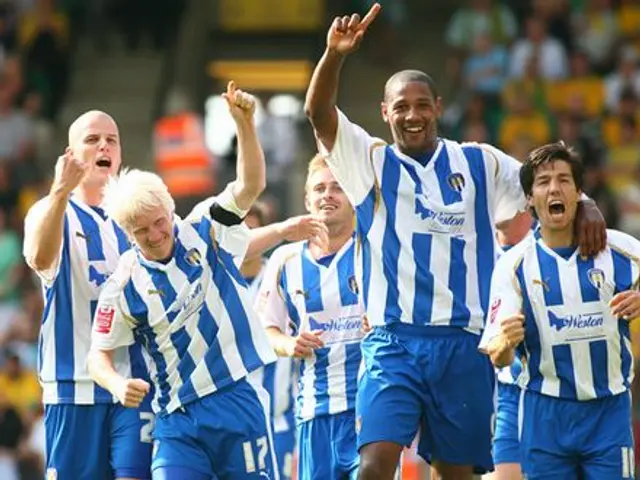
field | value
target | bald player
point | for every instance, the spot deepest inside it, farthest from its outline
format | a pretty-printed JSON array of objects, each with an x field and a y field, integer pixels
[{"x": 73, "y": 247}]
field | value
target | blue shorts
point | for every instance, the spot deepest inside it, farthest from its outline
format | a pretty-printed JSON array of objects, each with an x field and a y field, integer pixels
[
  {"x": 433, "y": 378},
  {"x": 226, "y": 434},
  {"x": 506, "y": 446},
  {"x": 285, "y": 444},
  {"x": 590, "y": 440},
  {"x": 327, "y": 447},
  {"x": 102, "y": 441}
]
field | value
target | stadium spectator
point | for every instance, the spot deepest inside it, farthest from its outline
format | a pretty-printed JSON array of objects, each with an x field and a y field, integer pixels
[
  {"x": 550, "y": 54},
  {"x": 627, "y": 75}
]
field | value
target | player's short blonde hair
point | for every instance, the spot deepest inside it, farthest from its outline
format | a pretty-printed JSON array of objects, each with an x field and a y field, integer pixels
[
  {"x": 132, "y": 193},
  {"x": 316, "y": 163}
]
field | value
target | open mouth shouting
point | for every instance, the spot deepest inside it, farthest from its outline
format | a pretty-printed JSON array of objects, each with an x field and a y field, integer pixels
[
  {"x": 556, "y": 209},
  {"x": 104, "y": 162}
]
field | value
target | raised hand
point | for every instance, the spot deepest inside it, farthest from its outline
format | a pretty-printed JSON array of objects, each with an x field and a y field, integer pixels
[
  {"x": 345, "y": 33},
  {"x": 69, "y": 172},
  {"x": 242, "y": 105}
]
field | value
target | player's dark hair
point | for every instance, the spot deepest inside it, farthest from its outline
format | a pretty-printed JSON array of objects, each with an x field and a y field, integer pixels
[
  {"x": 406, "y": 76},
  {"x": 548, "y": 153}
]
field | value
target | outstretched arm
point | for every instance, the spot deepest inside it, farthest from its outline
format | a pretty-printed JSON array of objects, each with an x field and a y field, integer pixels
[{"x": 344, "y": 37}]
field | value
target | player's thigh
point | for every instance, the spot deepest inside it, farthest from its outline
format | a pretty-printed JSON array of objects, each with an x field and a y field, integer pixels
[
  {"x": 315, "y": 450},
  {"x": 238, "y": 432},
  {"x": 544, "y": 437},
  {"x": 389, "y": 399},
  {"x": 459, "y": 405},
  {"x": 610, "y": 451},
  {"x": 344, "y": 442},
  {"x": 285, "y": 445},
  {"x": 506, "y": 445},
  {"x": 176, "y": 444},
  {"x": 77, "y": 444},
  {"x": 131, "y": 438}
]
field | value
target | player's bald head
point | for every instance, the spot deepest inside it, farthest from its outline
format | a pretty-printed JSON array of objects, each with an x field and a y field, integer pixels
[
  {"x": 401, "y": 78},
  {"x": 87, "y": 118}
]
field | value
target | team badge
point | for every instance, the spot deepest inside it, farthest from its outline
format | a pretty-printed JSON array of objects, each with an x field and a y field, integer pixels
[
  {"x": 353, "y": 284},
  {"x": 456, "y": 182},
  {"x": 52, "y": 474},
  {"x": 596, "y": 277},
  {"x": 193, "y": 257}
]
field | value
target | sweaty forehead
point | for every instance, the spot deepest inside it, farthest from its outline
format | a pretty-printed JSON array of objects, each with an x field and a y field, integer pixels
[{"x": 397, "y": 89}]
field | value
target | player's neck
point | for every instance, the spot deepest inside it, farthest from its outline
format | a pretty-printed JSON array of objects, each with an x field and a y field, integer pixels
[
  {"x": 251, "y": 268},
  {"x": 557, "y": 238},
  {"x": 338, "y": 236},
  {"x": 91, "y": 196}
]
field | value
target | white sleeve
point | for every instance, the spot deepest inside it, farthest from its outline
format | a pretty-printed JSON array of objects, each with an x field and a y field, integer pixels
[
  {"x": 234, "y": 239},
  {"x": 505, "y": 299},
  {"x": 351, "y": 159},
  {"x": 30, "y": 233},
  {"x": 112, "y": 328},
  {"x": 271, "y": 303},
  {"x": 509, "y": 197}
]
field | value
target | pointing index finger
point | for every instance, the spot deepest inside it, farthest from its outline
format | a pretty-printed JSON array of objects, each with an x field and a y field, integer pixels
[{"x": 370, "y": 16}]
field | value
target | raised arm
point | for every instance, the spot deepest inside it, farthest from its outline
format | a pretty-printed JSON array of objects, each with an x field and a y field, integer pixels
[
  {"x": 45, "y": 222},
  {"x": 344, "y": 37},
  {"x": 250, "y": 167}
]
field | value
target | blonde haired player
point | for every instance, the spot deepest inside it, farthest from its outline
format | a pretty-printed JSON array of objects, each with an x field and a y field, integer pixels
[{"x": 179, "y": 292}]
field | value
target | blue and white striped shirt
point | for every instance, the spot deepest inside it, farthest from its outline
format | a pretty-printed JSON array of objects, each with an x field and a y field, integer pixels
[
  {"x": 278, "y": 378},
  {"x": 300, "y": 294},
  {"x": 426, "y": 233},
  {"x": 193, "y": 314},
  {"x": 574, "y": 347},
  {"x": 91, "y": 247}
]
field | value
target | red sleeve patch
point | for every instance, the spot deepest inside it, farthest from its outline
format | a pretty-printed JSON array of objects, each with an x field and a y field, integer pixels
[
  {"x": 104, "y": 318},
  {"x": 495, "y": 306}
]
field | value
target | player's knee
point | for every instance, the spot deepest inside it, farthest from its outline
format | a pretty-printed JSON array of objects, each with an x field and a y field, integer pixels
[{"x": 379, "y": 461}]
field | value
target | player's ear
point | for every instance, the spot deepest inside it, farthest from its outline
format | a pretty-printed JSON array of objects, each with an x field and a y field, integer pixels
[
  {"x": 438, "y": 107},
  {"x": 383, "y": 111},
  {"x": 307, "y": 203}
]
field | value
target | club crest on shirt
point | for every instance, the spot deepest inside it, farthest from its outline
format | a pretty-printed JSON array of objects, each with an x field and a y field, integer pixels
[
  {"x": 52, "y": 474},
  {"x": 353, "y": 284},
  {"x": 193, "y": 257},
  {"x": 456, "y": 181},
  {"x": 596, "y": 277}
]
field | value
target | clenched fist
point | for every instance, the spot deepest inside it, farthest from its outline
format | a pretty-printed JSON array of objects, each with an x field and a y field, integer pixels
[
  {"x": 512, "y": 330},
  {"x": 131, "y": 391},
  {"x": 242, "y": 105}
]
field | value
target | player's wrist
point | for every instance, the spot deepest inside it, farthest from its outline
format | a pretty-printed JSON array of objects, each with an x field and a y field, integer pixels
[
  {"x": 334, "y": 56},
  {"x": 60, "y": 192}
]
